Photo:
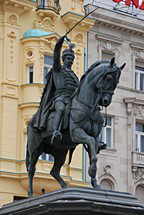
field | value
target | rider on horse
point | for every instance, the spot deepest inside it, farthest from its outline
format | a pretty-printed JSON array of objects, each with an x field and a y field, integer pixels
[{"x": 61, "y": 85}]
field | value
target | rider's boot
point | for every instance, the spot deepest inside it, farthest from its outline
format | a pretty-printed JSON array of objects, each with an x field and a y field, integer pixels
[{"x": 56, "y": 136}]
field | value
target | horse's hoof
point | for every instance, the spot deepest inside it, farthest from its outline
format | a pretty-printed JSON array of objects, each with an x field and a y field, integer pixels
[
  {"x": 64, "y": 185},
  {"x": 97, "y": 187},
  {"x": 30, "y": 194}
]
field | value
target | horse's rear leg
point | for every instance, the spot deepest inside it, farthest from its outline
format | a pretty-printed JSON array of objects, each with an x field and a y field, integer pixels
[
  {"x": 59, "y": 160},
  {"x": 31, "y": 172}
]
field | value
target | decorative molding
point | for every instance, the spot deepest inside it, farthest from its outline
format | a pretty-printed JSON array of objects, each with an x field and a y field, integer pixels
[
  {"x": 79, "y": 38},
  {"x": 134, "y": 106},
  {"x": 10, "y": 91},
  {"x": 18, "y": 6},
  {"x": 29, "y": 105},
  {"x": 29, "y": 59},
  {"x": 137, "y": 46},
  {"x": 45, "y": 23},
  {"x": 107, "y": 172},
  {"x": 13, "y": 19},
  {"x": 107, "y": 169},
  {"x": 71, "y": 18},
  {"x": 139, "y": 111},
  {"x": 110, "y": 38},
  {"x": 111, "y": 20},
  {"x": 12, "y": 35},
  {"x": 107, "y": 175},
  {"x": 138, "y": 173}
]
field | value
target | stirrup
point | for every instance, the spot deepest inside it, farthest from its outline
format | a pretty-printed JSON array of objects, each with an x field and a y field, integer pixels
[{"x": 56, "y": 137}]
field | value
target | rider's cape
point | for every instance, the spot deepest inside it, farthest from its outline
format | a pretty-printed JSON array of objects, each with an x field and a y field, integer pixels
[{"x": 39, "y": 121}]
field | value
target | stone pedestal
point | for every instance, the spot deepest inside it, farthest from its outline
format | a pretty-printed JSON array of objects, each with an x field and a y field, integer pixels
[{"x": 77, "y": 201}]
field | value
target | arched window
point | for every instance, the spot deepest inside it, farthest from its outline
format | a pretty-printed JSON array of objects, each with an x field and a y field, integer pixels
[
  {"x": 139, "y": 192},
  {"x": 107, "y": 184}
]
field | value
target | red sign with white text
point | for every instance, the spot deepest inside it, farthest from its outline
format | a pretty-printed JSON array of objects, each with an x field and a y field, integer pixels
[{"x": 137, "y": 3}]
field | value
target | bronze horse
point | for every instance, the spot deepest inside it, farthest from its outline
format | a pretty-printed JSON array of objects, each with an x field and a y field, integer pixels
[{"x": 96, "y": 89}]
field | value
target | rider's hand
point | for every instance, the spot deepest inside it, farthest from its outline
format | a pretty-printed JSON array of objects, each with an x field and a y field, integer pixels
[{"x": 67, "y": 38}]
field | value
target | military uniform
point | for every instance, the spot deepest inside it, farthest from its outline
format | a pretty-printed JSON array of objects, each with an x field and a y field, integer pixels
[{"x": 60, "y": 87}]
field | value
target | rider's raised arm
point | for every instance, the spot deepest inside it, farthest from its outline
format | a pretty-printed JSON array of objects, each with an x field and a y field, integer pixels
[{"x": 57, "y": 55}]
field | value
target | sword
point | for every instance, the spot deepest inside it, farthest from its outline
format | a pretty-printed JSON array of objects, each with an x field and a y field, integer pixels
[{"x": 79, "y": 22}]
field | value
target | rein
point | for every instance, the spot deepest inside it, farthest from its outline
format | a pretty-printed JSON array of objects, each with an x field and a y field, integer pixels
[{"x": 96, "y": 106}]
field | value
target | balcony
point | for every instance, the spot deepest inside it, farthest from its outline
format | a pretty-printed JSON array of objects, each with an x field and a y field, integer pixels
[
  {"x": 48, "y": 5},
  {"x": 138, "y": 159}
]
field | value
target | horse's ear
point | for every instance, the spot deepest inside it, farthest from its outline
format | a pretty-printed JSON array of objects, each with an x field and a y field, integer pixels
[
  {"x": 121, "y": 67},
  {"x": 112, "y": 61}
]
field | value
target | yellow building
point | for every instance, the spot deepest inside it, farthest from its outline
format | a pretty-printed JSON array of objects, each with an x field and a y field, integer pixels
[{"x": 28, "y": 34}]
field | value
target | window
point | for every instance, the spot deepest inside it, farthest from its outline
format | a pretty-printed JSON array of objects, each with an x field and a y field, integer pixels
[
  {"x": 139, "y": 137},
  {"x": 46, "y": 157},
  {"x": 48, "y": 62},
  {"x": 106, "y": 134},
  {"x": 30, "y": 74},
  {"x": 107, "y": 55},
  {"x": 139, "y": 78}
]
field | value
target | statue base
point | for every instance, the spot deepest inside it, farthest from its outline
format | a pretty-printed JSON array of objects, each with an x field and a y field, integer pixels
[{"x": 77, "y": 201}]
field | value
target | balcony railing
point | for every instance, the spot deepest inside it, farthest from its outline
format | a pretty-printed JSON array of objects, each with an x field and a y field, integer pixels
[
  {"x": 138, "y": 158},
  {"x": 48, "y": 5}
]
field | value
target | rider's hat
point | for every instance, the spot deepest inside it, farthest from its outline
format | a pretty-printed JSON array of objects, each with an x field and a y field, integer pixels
[{"x": 68, "y": 51}]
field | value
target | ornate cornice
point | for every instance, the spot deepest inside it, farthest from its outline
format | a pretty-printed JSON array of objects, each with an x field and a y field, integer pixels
[
  {"x": 71, "y": 18},
  {"x": 135, "y": 106},
  {"x": 18, "y": 6},
  {"x": 137, "y": 45},
  {"x": 29, "y": 105},
  {"x": 138, "y": 173},
  {"x": 9, "y": 90},
  {"x": 115, "y": 20},
  {"x": 107, "y": 37}
]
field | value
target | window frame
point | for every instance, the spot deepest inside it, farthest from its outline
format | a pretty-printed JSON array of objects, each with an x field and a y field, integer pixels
[
  {"x": 138, "y": 70},
  {"x": 138, "y": 135},
  {"x": 46, "y": 67},
  {"x": 29, "y": 73},
  {"x": 108, "y": 53},
  {"x": 104, "y": 132}
]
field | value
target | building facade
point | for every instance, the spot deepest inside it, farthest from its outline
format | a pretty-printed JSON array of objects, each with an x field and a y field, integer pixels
[
  {"x": 29, "y": 30},
  {"x": 119, "y": 32}
]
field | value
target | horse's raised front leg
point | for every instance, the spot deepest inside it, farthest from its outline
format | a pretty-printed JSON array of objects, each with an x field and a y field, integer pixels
[
  {"x": 80, "y": 136},
  {"x": 59, "y": 160}
]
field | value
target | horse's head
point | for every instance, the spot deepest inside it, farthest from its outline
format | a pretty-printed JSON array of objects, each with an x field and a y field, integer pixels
[{"x": 108, "y": 77}]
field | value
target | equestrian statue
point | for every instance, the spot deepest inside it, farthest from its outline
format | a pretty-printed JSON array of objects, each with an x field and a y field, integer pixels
[{"x": 70, "y": 113}]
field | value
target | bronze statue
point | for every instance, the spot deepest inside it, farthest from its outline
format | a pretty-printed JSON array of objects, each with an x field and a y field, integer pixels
[
  {"x": 79, "y": 118},
  {"x": 61, "y": 85}
]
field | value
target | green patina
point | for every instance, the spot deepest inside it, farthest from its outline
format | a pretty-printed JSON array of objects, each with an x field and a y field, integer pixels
[{"x": 36, "y": 33}]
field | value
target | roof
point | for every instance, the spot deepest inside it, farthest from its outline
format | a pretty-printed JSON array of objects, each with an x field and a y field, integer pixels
[{"x": 36, "y": 33}]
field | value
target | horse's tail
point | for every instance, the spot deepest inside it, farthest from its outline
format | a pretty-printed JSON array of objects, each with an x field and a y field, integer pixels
[
  {"x": 70, "y": 154},
  {"x": 27, "y": 158}
]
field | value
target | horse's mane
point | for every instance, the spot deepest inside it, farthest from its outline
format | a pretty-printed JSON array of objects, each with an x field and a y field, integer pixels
[{"x": 97, "y": 63}]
